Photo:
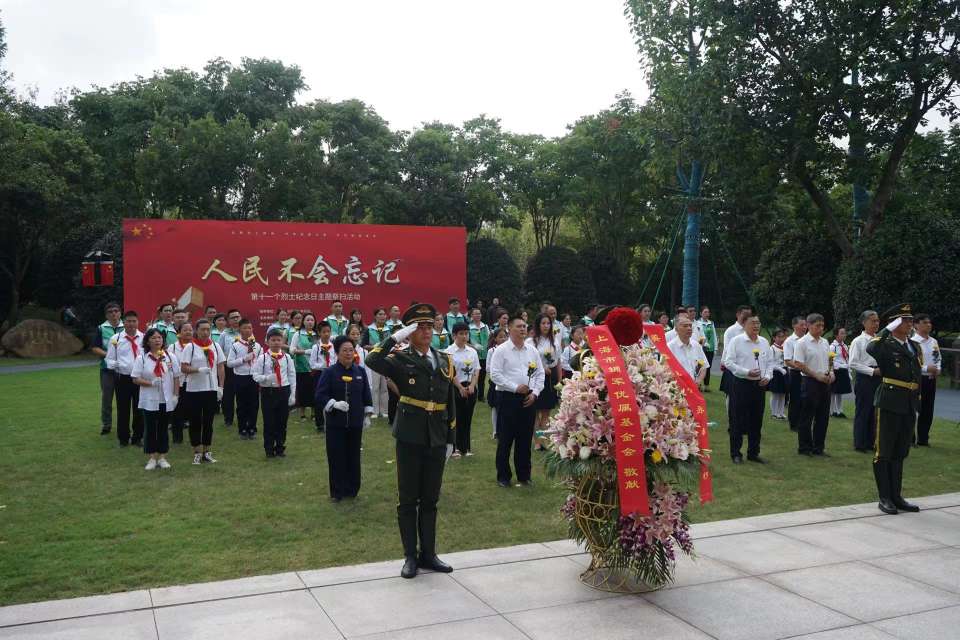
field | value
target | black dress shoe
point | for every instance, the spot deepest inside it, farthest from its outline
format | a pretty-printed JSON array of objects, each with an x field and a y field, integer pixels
[
  {"x": 104, "y": 431},
  {"x": 271, "y": 454},
  {"x": 737, "y": 459},
  {"x": 409, "y": 568},
  {"x": 281, "y": 453},
  {"x": 504, "y": 484},
  {"x": 434, "y": 563},
  {"x": 887, "y": 506},
  {"x": 756, "y": 459},
  {"x": 526, "y": 483},
  {"x": 136, "y": 443},
  {"x": 903, "y": 505}
]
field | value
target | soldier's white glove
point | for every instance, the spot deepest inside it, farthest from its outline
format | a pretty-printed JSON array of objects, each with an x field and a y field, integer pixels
[
  {"x": 203, "y": 370},
  {"x": 219, "y": 394},
  {"x": 406, "y": 332},
  {"x": 893, "y": 325},
  {"x": 449, "y": 451},
  {"x": 341, "y": 405}
]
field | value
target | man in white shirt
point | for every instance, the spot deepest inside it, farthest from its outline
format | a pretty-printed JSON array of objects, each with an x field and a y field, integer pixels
[
  {"x": 930, "y": 350},
  {"x": 866, "y": 381},
  {"x": 748, "y": 359},
  {"x": 744, "y": 311},
  {"x": 240, "y": 358},
  {"x": 811, "y": 355},
  {"x": 516, "y": 369},
  {"x": 688, "y": 352},
  {"x": 122, "y": 350},
  {"x": 794, "y": 379}
]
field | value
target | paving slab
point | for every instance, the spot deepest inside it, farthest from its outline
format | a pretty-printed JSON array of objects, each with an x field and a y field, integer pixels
[
  {"x": 938, "y": 501},
  {"x": 565, "y": 547},
  {"x": 74, "y": 607},
  {"x": 788, "y": 519},
  {"x": 863, "y": 591},
  {"x": 278, "y": 616},
  {"x": 379, "y": 606},
  {"x": 202, "y": 591},
  {"x": 931, "y": 625},
  {"x": 488, "y": 628},
  {"x": 529, "y": 585},
  {"x": 133, "y": 625},
  {"x": 352, "y": 573},
  {"x": 500, "y": 555},
  {"x": 937, "y": 567},
  {"x": 857, "y": 632},
  {"x": 765, "y": 552},
  {"x": 859, "y": 539},
  {"x": 933, "y": 525},
  {"x": 617, "y": 618},
  {"x": 703, "y": 530},
  {"x": 747, "y": 609}
]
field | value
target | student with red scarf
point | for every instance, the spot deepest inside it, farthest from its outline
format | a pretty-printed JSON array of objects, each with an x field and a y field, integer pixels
[
  {"x": 321, "y": 357},
  {"x": 276, "y": 374},
  {"x": 243, "y": 352},
  {"x": 203, "y": 363},
  {"x": 157, "y": 373}
]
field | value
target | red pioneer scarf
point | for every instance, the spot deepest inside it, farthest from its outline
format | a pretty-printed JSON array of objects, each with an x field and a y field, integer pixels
[
  {"x": 326, "y": 353},
  {"x": 250, "y": 344},
  {"x": 133, "y": 344},
  {"x": 277, "y": 357},
  {"x": 158, "y": 364},
  {"x": 207, "y": 346}
]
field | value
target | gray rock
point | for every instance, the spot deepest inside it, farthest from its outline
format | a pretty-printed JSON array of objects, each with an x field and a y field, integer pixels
[{"x": 41, "y": 339}]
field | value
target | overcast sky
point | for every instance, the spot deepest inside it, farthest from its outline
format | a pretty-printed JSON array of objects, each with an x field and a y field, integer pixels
[{"x": 536, "y": 64}]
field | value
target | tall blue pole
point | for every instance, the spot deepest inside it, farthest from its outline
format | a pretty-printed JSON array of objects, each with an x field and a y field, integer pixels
[{"x": 691, "y": 242}]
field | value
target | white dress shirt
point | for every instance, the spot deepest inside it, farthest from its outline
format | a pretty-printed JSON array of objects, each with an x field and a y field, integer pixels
[
  {"x": 152, "y": 397},
  {"x": 813, "y": 353},
  {"x": 670, "y": 336},
  {"x": 568, "y": 352},
  {"x": 789, "y": 345},
  {"x": 840, "y": 362},
  {"x": 266, "y": 376},
  {"x": 237, "y": 357},
  {"x": 732, "y": 332},
  {"x": 688, "y": 355},
  {"x": 931, "y": 353},
  {"x": 509, "y": 365},
  {"x": 861, "y": 361},
  {"x": 321, "y": 358},
  {"x": 739, "y": 357},
  {"x": 465, "y": 361},
  {"x": 194, "y": 356},
  {"x": 120, "y": 352}
]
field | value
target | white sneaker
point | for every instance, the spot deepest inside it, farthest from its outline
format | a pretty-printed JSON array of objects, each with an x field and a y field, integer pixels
[
  {"x": 197, "y": 458},
  {"x": 468, "y": 454},
  {"x": 208, "y": 458},
  {"x": 163, "y": 464},
  {"x": 151, "y": 464}
]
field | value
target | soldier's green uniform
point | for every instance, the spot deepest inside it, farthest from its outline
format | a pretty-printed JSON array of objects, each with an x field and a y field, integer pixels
[
  {"x": 897, "y": 401},
  {"x": 424, "y": 426}
]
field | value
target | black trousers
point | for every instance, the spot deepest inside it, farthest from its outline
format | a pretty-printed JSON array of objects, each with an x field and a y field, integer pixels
[
  {"x": 928, "y": 395},
  {"x": 108, "y": 391},
  {"x": 865, "y": 414},
  {"x": 706, "y": 379},
  {"x": 747, "y": 403},
  {"x": 514, "y": 429},
  {"x": 247, "y": 393},
  {"x": 155, "y": 437},
  {"x": 275, "y": 404},
  {"x": 128, "y": 396},
  {"x": 812, "y": 427},
  {"x": 481, "y": 381},
  {"x": 229, "y": 396},
  {"x": 203, "y": 406},
  {"x": 464, "y": 408},
  {"x": 794, "y": 398},
  {"x": 419, "y": 477},
  {"x": 343, "y": 461}
]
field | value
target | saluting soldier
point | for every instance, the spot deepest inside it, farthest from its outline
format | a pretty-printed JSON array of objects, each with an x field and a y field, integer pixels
[
  {"x": 423, "y": 428},
  {"x": 897, "y": 402}
]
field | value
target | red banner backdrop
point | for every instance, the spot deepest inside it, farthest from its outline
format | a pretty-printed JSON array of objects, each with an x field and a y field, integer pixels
[{"x": 259, "y": 267}]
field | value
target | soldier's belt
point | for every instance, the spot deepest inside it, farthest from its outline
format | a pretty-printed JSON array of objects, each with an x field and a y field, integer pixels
[
  {"x": 912, "y": 386},
  {"x": 423, "y": 404}
]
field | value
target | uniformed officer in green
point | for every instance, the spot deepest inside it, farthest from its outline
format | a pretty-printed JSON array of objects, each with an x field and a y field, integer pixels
[
  {"x": 423, "y": 428},
  {"x": 897, "y": 402}
]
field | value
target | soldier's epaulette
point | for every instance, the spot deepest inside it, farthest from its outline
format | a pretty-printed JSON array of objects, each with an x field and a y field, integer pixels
[
  {"x": 877, "y": 339},
  {"x": 389, "y": 355}
]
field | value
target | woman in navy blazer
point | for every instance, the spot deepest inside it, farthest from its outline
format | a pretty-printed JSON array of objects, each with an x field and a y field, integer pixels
[{"x": 344, "y": 395}]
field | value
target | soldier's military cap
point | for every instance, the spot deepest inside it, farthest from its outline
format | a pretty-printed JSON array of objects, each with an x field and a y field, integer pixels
[
  {"x": 420, "y": 312},
  {"x": 902, "y": 310}
]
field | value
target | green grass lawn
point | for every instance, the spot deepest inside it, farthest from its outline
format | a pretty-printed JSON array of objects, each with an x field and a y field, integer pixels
[
  {"x": 80, "y": 516},
  {"x": 12, "y": 361}
]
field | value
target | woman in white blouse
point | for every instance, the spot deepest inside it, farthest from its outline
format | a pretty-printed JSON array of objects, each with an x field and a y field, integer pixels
[
  {"x": 157, "y": 373},
  {"x": 542, "y": 340}
]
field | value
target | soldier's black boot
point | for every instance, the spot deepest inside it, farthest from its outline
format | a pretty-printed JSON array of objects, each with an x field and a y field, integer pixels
[
  {"x": 428, "y": 537},
  {"x": 408, "y": 536},
  {"x": 881, "y": 472},
  {"x": 409, "y": 568},
  {"x": 896, "y": 473}
]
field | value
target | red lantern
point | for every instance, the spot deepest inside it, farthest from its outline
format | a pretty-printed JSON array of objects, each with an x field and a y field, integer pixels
[{"x": 97, "y": 269}]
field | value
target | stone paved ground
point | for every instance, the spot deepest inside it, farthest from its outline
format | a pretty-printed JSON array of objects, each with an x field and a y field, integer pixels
[{"x": 840, "y": 573}]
